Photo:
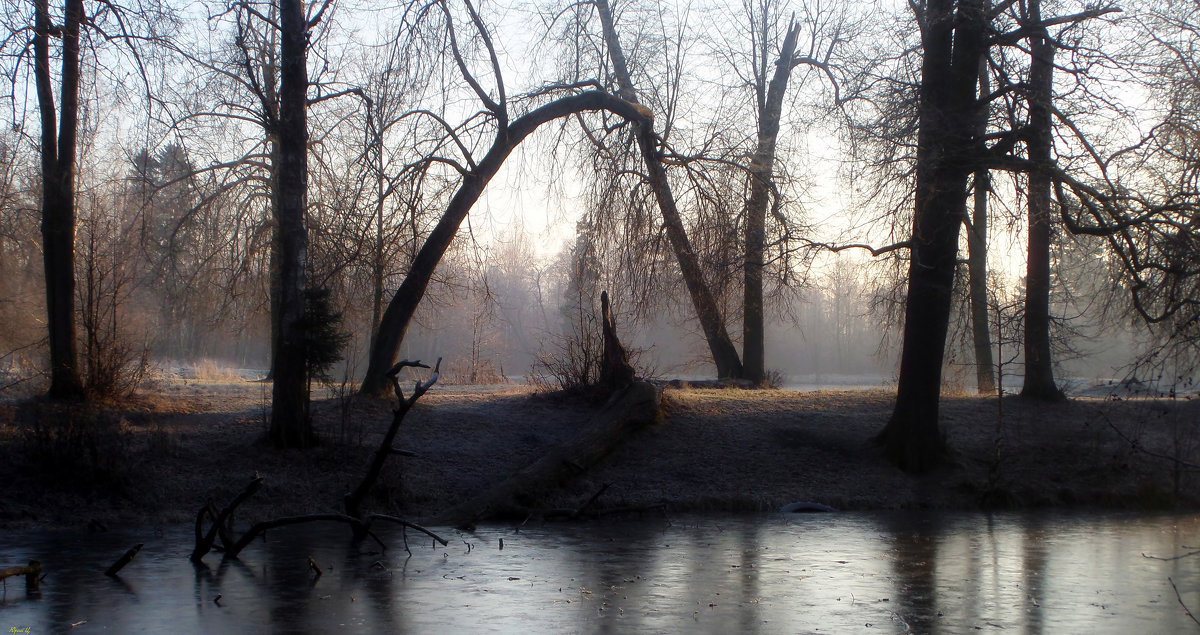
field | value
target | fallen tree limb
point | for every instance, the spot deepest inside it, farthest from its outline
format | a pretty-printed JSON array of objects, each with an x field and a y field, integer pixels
[
  {"x": 400, "y": 521},
  {"x": 628, "y": 411},
  {"x": 261, "y": 528},
  {"x": 32, "y": 573},
  {"x": 204, "y": 542},
  {"x": 1180, "y": 598},
  {"x": 125, "y": 559},
  {"x": 355, "y": 498},
  {"x": 222, "y": 524}
]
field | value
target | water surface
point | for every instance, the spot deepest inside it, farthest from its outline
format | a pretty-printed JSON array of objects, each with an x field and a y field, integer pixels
[{"x": 832, "y": 573}]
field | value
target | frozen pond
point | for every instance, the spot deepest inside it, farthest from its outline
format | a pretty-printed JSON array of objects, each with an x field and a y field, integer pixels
[{"x": 833, "y": 573}]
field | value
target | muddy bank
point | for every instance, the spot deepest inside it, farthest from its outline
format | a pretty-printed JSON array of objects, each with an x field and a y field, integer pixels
[{"x": 179, "y": 444}]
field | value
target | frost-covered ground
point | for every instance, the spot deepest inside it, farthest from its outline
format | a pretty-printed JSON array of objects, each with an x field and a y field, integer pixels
[{"x": 184, "y": 441}]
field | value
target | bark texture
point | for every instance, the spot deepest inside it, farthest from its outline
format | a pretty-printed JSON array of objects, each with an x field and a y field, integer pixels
[
  {"x": 1039, "y": 369},
  {"x": 953, "y": 40},
  {"x": 291, "y": 426},
  {"x": 58, "y": 190}
]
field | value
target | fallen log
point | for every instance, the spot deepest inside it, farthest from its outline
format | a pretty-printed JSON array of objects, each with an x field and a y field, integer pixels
[
  {"x": 125, "y": 559},
  {"x": 626, "y": 412},
  {"x": 32, "y": 573}
]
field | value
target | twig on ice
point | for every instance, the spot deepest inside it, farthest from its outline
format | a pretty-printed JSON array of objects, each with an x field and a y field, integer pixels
[
  {"x": 1180, "y": 557},
  {"x": 1180, "y": 598},
  {"x": 400, "y": 521}
]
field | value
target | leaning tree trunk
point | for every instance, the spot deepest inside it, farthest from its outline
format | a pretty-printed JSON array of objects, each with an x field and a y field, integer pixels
[
  {"x": 1039, "y": 370},
  {"x": 725, "y": 355},
  {"x": 403, "y": 305},
  {"x": 761, "y": 181},
  {"x": 985, "y": 380},
  {"x": 58, "y": 192},
  {"x": 291, "y": 426},
  {"x": 633, "y": 408},
  {"x": 953, "y": 42}
]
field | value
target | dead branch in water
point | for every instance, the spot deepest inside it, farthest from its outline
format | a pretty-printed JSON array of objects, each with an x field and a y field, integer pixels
[
  {"x": 261, "y": 528},
  {"x": 1179, "y": 557},
  {"x": 222, "y": 524},
  {"x": 204, "y": 541},
  {"x": 404, "y": 523},
  {"x": 1180, "y": 598},
  {"x": 355, "y": 498},
  {"x": 125, "y": 559},
  {"x": 32, "y": 573}
]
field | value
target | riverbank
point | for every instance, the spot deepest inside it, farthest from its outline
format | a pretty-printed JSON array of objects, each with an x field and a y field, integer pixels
[{"x": 180, "y": 443}]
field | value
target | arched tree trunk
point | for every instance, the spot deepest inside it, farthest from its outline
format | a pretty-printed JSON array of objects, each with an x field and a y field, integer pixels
[{"x": 399, "y": 313}]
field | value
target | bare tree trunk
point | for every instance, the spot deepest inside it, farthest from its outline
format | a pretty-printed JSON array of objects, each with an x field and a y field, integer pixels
[
  {"x": 725, "y": 355},
  {"x": 58, "y": 192},
  {"x": 273, "y": 260},
  {"x": 953, "y": 39},
  {"x": 1039, "y": 369},
  {"x": 291, "y": 426},
  {"x": 985, "y": 381},
  {"x": 761, "y": 182},
  {"x": 378, "y": 256},
  {"x": 399, "y": 313}
]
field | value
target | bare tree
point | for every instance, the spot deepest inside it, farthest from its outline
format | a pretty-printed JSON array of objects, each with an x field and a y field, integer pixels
[
  {"x": 507, "y": 132},
  {"x": 712, "y": 321},
  {"x": 977, "y": 244},
  {"x": 826, "y": 33},
  {"x": 291, "y": 426},
  {"x": 58, "y": 188}
]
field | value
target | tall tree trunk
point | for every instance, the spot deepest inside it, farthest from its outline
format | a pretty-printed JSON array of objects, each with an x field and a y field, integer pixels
[
  {"x": 725, "y": 355},
  {"x": 58, "y": 192},
  {"x": 762, "y": 177},
  {"x": 291, "y": 426},
  {"x": 1039, "y": 370},
  {"x": 399, "y": 313},
  {"x": 953, "y": 39},
  {"x": 273, "y": 260},
  {"x": 985, "y": 380},
  {"x": 379, "y": 263}
]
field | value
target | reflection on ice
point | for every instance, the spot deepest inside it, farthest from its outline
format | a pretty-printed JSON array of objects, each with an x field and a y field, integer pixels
[{"x": 806, "y": 573}]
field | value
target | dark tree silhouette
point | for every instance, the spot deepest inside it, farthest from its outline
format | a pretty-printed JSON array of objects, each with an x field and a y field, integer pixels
[
  {"x": 724, "y": 353},
  {"x": 953, "y": 38},
  {"x": 1039, "y": 369},
  {"x": 291, "y": 426},
  {"x": 58, "y": 189},
  {"x": 770, "y": 109},
  {"x": 474, "y": 177}
]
